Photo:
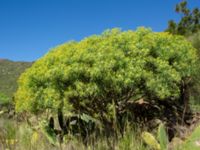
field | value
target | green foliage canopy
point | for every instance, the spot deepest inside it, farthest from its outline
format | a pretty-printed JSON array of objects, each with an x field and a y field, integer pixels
[
  {"x": 88, "y": 76},
  {"x": 189, "y": 22},
  {"x": 195, "y": 89}
]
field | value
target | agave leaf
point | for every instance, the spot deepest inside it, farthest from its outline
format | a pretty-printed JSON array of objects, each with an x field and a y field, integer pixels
[
  {"x": 162, "y": 137},
  {"x": 48, "y": 133},
  {"x": 88, "y": 118}
]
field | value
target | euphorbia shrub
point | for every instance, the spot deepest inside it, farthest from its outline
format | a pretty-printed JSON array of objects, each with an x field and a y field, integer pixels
[{"x": 104, "y": 71}]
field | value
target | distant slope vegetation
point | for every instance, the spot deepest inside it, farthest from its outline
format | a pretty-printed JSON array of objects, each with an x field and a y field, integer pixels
[{"x": 9, "y": 73}]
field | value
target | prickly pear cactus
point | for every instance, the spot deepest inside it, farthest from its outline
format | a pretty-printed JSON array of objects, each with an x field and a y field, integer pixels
[{"x": 151, "y": 140}]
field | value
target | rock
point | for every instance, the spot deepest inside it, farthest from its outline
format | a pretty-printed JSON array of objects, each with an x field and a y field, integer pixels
[{"x": 175, "y": 143}]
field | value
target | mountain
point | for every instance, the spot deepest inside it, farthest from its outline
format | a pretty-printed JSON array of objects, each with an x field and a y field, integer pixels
[{"x": 9, "y": 73}]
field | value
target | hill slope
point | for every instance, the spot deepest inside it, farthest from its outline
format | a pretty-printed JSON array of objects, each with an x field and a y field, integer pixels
[{"x": 9, "y": 73}]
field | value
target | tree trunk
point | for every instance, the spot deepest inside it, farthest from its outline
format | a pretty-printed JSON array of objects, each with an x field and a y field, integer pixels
[
  {"x": 184, "y": 99},
  {"x": 61, "y": 119}
]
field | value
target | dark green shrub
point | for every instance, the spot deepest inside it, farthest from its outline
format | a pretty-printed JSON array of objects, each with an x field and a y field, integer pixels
[{"x": 4, "y": 100}]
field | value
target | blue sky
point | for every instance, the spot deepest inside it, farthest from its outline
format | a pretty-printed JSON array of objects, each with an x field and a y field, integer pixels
[{"x": 30, "y": 28}]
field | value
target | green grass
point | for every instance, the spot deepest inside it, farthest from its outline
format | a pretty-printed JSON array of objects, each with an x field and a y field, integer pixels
[
  {"x": 15, "y": 136},
  {"x": 193, "y": 141},
  {"x": 20, "y": 136}
]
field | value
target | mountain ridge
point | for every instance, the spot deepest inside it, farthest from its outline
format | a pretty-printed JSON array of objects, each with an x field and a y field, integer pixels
[{"x": 9, "y": 74}]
